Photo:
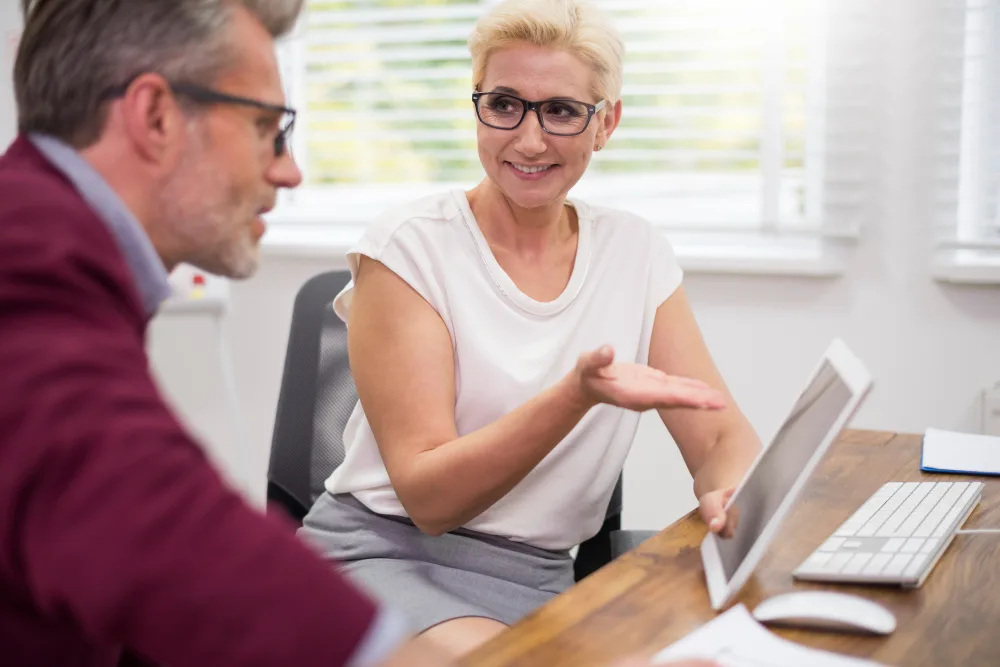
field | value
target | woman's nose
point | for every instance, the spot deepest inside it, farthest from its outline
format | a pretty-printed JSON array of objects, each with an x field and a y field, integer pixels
[{"x": 530, "y": 136}]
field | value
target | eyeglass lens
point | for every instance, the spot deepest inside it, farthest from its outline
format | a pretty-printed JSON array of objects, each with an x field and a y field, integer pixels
[{"x": 557, "y": 116}]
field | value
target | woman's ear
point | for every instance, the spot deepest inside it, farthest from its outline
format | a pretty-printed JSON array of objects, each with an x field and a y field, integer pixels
[{"x": 608, "y": 121}]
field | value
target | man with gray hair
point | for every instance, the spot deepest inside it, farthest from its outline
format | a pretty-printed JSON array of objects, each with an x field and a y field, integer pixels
[{"x": 151, "y": 132}]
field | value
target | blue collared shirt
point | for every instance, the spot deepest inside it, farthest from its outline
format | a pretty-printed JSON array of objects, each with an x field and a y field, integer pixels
[{"x": 147, "y": 268}]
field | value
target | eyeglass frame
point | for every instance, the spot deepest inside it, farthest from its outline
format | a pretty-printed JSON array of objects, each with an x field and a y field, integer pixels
[
  {"x": 592, "y": 110},
  {"x": 209, "y": 96}
]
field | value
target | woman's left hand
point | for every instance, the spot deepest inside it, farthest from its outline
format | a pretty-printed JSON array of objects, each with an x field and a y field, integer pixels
[{"x": 712, "y": 507}]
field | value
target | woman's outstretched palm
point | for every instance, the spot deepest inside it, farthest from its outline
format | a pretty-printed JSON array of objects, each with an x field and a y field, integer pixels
[{"x": 639, "y": 387}]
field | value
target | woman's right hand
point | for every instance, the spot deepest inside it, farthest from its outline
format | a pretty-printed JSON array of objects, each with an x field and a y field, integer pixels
[{"x": 639, "y": 387}]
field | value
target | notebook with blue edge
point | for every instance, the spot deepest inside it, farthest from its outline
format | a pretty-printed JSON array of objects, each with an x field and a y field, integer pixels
[{"x": 964, "y": 442}]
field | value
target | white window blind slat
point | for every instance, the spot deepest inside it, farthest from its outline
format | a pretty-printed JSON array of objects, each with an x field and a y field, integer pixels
[
  {"x": 330, "y": 39},
  {"x": 388, "y": 56},
  {"x": 378, "y": 78},
  {"x": 966, "y": 203},
  {"x": 419, "y": 136},
  {"x": 736, "y": 114},
  {"x": 320, "y": 14},
  {"x": 769, "y": 95},
  {"x": 415, "y": 94}
]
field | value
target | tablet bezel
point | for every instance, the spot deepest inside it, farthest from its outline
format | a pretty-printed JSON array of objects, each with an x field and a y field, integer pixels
[{"x": 858, "y": 380}]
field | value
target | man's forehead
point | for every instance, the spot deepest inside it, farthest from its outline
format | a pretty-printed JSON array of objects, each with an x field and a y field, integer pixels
[
  {"x": 253, "y": 69},
  {"x": 254, "y": 80}
]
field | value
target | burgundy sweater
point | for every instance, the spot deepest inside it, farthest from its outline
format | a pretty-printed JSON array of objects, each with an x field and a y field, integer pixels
[{"x": 115, "y": 531}]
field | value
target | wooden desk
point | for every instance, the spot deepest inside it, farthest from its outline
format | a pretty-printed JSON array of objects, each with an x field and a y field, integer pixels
[{"x": 655, "y": 595}]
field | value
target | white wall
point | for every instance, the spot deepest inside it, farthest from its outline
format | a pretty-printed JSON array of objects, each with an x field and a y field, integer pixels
[{"x": 10, "y": 25}]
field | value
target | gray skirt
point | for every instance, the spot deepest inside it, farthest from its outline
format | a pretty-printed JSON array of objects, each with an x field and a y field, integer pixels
[{"x": 434, "y": 579}]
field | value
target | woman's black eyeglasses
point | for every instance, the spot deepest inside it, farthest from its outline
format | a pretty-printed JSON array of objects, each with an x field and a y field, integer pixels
[
  {"x": 561, "y": 117},
  {"x": 209, "y": 96}
]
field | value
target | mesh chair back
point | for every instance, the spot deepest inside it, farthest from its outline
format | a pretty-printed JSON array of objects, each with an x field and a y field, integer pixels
[{"x": 317, "y": 396}]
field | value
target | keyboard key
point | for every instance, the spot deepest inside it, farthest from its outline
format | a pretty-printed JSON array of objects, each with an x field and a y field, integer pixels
[
  {"x": 937, "y": 514},
  {"x": 971, "y": 493},
  {"x": 847, "y": 530},
  {"x": 876, "y": 564},
  {"x": 915, "y": 567},
  {"x": 893, "y": 545},
  {"x": 930, "y": 545},
  {"x": 832, "y": 544},
  {"x": 892, "y": 524},
  {"x": 872, "y": 526},
  {"x": 839, "y": 560},
  {"x": 816, "y": 563},
  {"x": 939, "y": 490},
  {"x": 881, "y": 516},
  {"x": 850, "y": 527},
  {"x": 896, "y": 566},
  {"x": 949, "y": 521},
  {"x": 856, "y": 564},
  {"x": 920, "y": 513},
  {"x": 851, "y": 544},
  {"x": 912, "y": 545}
]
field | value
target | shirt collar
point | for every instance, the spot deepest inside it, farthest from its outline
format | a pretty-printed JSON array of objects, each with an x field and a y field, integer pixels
[{"x": 146, "y": 266}]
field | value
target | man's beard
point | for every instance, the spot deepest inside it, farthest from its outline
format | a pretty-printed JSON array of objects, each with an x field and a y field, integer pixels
[{"x": 204, "y": 218}]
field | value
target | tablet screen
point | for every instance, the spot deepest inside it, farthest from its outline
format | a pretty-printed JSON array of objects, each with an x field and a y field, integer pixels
[{"x": 814, "y": 414}]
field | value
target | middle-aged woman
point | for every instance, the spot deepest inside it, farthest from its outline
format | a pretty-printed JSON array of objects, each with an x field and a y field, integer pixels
[{"x": 504, "y": 342}]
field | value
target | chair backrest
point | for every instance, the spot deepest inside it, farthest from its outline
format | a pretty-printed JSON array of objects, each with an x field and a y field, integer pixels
[{"x": 316, "y": 398}]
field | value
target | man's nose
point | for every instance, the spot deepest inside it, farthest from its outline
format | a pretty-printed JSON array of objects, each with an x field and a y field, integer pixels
[{"x": 284, "y": 172}]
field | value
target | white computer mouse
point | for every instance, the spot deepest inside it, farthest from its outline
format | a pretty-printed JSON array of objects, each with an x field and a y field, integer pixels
[{"x": 825, "y": 610}]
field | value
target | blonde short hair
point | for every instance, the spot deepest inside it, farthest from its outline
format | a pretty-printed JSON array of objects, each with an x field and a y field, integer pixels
[{"x": 574, "y": 25}]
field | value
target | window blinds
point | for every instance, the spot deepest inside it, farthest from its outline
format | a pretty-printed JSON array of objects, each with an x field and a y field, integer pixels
[{"x": 738, "y": 114}]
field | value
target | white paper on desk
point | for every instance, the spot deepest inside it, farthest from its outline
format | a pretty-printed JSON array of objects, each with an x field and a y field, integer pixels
[
  {"x": 948, "y": 451},
  {"x": 736, "y": 639}
]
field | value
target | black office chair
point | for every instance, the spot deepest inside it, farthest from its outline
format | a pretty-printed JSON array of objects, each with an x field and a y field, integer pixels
[{"x": 316, "y": 398}]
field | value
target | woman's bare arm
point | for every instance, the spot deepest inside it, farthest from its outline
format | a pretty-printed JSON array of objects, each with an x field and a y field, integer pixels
[{"x": 403, "y": 363}]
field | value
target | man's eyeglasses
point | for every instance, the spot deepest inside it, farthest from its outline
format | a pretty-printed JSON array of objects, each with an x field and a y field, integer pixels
[
  {"x": 209, "y": 96},
  {"x": 561, "y": 117}
]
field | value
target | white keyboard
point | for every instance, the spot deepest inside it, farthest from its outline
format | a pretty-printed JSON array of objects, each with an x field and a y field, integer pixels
[{"x": 896, "y": 537}]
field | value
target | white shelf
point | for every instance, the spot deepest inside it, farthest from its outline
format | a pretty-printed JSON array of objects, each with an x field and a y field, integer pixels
[{"x": 209, "y": 305}]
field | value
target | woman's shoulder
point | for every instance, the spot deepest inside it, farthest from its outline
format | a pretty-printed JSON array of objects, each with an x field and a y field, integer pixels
[
  {"x": 436, "y": 213},
  {"x": 619, "y": 224},
  {"x": 412, "y": 240}
]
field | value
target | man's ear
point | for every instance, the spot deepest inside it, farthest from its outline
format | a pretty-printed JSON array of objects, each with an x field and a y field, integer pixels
[{"x": 151, "y": 117}]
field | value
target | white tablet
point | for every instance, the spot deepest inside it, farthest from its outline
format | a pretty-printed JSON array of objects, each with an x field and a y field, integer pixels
[{"x": 766, "y": 495}]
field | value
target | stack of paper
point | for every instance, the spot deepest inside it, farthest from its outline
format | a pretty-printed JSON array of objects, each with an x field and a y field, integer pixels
[
  {"x": 736, "y": 639},
  {"x": 966, "y": 453}
]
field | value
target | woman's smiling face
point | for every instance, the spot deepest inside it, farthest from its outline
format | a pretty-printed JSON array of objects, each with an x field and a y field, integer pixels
[{"x": 530, "y": 166}]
